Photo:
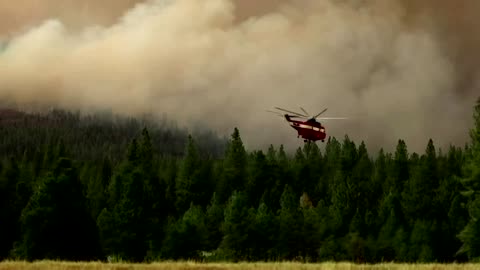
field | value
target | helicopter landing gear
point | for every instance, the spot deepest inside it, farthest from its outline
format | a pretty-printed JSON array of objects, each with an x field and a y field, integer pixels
[{"x": 323, "y": 140}]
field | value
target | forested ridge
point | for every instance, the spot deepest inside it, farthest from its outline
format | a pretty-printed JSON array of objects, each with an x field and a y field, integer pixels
[{"x": 91, "y": 188}]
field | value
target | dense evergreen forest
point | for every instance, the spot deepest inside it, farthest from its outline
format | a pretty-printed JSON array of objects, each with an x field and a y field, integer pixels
[{"x": 93, "y": 188}]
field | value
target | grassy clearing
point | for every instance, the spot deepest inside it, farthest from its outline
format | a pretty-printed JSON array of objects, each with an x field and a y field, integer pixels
[{"x": 52, "y": 265}]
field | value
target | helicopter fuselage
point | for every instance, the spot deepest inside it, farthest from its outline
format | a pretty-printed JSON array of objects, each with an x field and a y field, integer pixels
[{"x": 309, "y": 130}]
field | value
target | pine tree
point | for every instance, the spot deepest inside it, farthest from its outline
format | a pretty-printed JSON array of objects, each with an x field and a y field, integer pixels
[
  {"x": 169, "y": 170},
  {"x": 214, "y": 218},
  {"x": 290, "y": 220},
  {"x": 259, "y": 178},
  {"x": 377, "y": 179},
  {"x": 470, "y": 235},
  {"x": 420, "y": 248},
  {"x": 281, "y": 174},
  {"x": 344, "y": 189},
  {"x": 55, "y": 223},
  {"x": 9, "y": 213},
  {"x": 385, "y": 245},
  {"x": 331, "y": 167},
  {"x": 97, "y": 193},
  {"x": 314, "y": 231},
  {"x": 133, "y": 156},
  {"x": 49, "y": 157},
  {"x": 122, "y": 227},
  {"x": 363, "y": 188},
  {"x": 187, "y": 237},
  {"x": 421, "y": 188},
  {"x": 311, "y": 172},
  {"x": 401, "y": 172},
  {"x": 145, "y": 151},
  {"x": 264, "y": 232},
  {"x": 126, "y": 223},
  {"x": 237, "y": 227},
  {"x": 234, "y": 168},
  {"x": 349, "y": 156},
  {"x": 192, "y": 183},
  {"x": 271, "y": 154},
  {"x": 271, "y": 175}
]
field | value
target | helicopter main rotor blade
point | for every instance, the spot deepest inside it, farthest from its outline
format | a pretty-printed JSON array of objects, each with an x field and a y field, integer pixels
[
  {"x": 282, "y": 115},
  {"x": 303, "y": 110},
  {"x": 277, "y": 113},
  {"x": 320, "y": 113},
  {"x": 299, "y": 114},
  {"x": 274, "y": 112}
]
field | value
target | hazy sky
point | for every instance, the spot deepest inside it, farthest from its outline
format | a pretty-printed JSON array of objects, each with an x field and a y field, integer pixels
[{"x": 399, "y": 68}]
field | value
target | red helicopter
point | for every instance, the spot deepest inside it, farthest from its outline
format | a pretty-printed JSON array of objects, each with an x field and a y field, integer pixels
[{"x": 310, "y": 130}]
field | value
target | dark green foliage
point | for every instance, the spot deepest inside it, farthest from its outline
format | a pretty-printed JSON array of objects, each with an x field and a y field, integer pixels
[
  {"x": 264, "y": 232},
  {"x": 261, "y": 179},
  {"x": 214, "y": 218},
  {"x": 13, "y": 193},
  {"x": 314, "y": 230},
  {"x": 91, "y": 137},
  {"x": 97, "y": 193},
  {"x": 129, "y": 223},
  {"x": 88, "y": 187},
  {"x": 470, "y": 235},
  {"x": 122, "y": 226},
  {"x": 193, "y": 183},
  {"x": 290, "y": 222},
  {"x": 187, "y": 237},
  {"x": 238, "y": 227},
  {"x": 234, "y": 170},
  {"x": 55, "y": 224},
  {"x": 421, "y": 189},
  {"x": 400, "y": 168}
]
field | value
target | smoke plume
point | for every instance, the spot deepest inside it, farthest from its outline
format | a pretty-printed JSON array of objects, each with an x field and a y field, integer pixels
[{"x": 400, "y": 69}]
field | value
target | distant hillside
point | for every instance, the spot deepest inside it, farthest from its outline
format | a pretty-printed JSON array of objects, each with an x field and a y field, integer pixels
[{"x": 92, "y": 136}]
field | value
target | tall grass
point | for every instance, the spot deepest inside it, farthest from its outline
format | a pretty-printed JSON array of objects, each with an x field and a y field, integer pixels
[{"x": 54, "y": 265}]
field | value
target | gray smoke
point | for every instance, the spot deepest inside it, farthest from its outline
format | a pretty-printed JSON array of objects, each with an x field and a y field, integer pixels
[{"x": 397, "y": 68}]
